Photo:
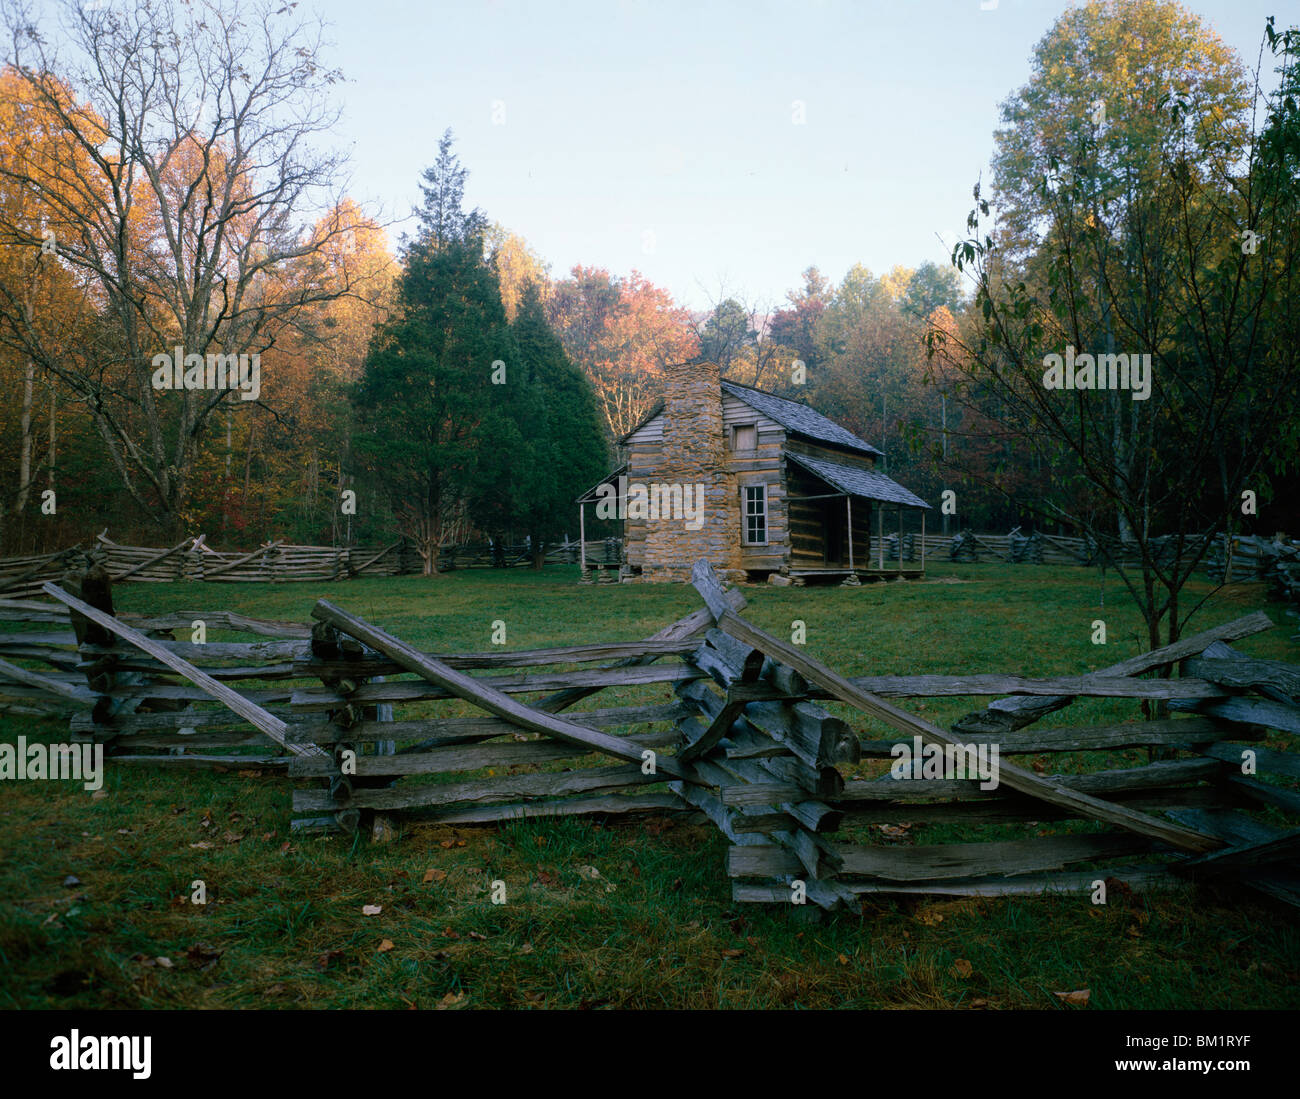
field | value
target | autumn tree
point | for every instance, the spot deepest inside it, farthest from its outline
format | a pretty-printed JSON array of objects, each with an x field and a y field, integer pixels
[
  {"x": 1142, "y": 243},
  {"x": 622, "y": 332},
  {"x": 190, "y": 128}
]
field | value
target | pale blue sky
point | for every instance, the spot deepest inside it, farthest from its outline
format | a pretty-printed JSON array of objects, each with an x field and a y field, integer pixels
[{"x": 660, "y": 135}]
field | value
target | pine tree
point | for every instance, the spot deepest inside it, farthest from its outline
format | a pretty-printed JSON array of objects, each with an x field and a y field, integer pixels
[
  {"x": 432, "y": 426},
  {"x": 567, "y": 438}
]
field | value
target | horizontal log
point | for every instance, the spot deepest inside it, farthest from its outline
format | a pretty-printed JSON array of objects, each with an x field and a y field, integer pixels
[
  {"x": 1147, "y": 777},
  {"x": 468, "y": 757},
  {"x": 1244, "y": 673},
  {"x": 941, "y": 862},
  {"x": 504, "y": 788},
  {"x": 197, "y": 762},
  {"x": 1017, "y": 809},
  {"x": 1265, "y": 793},
  {"x": 1006, "y": 714},
  {"x": 465, "y": 729},
  {"x": 944, "y": 686},
  {"x": 217, "y": 620},
  {"x": 371, "y": 664},
  {"x": 175, "y": 719},
  {"x": 76, "y": 696},
  {"x": 1184, "y": 733},
  {"x": 1246, "y": 711},
  {"x": 318, "y": 699},
  {"x": 604, "y": 805},
  {"x": 1265, "y": 759}
]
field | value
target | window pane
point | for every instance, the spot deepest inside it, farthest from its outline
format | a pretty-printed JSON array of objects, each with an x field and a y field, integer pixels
[{"x": 755, "y": 513}]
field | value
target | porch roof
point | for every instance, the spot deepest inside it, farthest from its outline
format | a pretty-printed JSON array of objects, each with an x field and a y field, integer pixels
[
  {"x": 593, "y": 493},
  {"x": 864, "y": 483}
]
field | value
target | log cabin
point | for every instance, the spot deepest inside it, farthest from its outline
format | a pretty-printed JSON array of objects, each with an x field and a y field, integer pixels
[{"x": 771, "y": 487}]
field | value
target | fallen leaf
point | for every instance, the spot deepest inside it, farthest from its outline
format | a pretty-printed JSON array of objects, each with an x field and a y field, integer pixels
[
  {"x": 285, "y": 847},
  {"x": 534, "y": 997},
  {"x": 267, "y": 837},
  {"x": 527, "y": 948},
  {"x": 371, "y": 909},
  {"x": 446, "y": 845},
  {"x": 450, "y": 1001},
  {"x": 202, "y": 845},
  {"x": 961, "y": 968},
  {"x": 979, "y": 1003},
  {"x": 1078, "y": 996},
  {"x": 842, "y": 959},
  {"x": 164, "y": 962},
  {"x": 733, "y": 953},
  {"x": 448, "y": 933},
  {"x": 100, "y": 795},
  {"x": 231, "y": 837},
  {"x": 385, "y": 945},
  {"x": 70, "y": 881},
  {"x": 124, "y": 831},
  {"x": 324, "y": 961},
  {"x": 476, "y": 935}
]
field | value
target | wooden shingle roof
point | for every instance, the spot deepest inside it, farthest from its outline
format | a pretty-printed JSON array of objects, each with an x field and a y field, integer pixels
[
  {"x": 799, "y": 419},
  {"x": 866, "y": 483}
]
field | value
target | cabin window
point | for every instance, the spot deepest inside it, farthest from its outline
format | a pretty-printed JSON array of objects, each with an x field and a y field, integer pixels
[
  {"x": 754, "y": 500},
  {"x": 744, "y": 437}
]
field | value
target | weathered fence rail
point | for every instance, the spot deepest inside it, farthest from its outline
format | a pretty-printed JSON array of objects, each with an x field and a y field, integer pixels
[
  {"x": 713, "y": 716},
  {"x": 276, "y": 562}
]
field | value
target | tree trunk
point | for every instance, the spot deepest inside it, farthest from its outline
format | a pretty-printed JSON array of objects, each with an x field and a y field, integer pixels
[{"x": 25, "y": 437}]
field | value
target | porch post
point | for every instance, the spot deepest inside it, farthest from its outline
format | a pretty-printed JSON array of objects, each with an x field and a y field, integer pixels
[
  {"x": 848, "y": 504},
  {"x": 923, "y": 540},
  {"x": 900, "y": 538},
  {"x": 880, "y": 535}
]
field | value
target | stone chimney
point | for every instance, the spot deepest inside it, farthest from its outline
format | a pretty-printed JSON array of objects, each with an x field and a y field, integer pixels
[{"x": 694, "y": 454}]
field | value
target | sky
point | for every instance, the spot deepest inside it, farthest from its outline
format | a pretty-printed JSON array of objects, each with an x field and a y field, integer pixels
[{"x": 718, "y": 148}]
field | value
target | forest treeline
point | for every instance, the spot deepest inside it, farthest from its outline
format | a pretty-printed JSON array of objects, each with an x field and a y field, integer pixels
[{"x": 162, "y": 191}]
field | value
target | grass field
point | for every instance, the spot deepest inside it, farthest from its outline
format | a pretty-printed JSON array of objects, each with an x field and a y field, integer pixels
[{"x": 94, "y": 891}]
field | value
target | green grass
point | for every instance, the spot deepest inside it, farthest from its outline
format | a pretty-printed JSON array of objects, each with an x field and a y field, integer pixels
[{"x": 283, "y": 926}]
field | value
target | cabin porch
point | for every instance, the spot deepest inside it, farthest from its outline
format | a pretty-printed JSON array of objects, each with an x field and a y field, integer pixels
[{"x": 848, "y": 522}]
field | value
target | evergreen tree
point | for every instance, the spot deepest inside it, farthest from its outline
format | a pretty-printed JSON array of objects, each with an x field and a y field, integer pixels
[
  {"x": 566, "y": 441},
  {"x": 432, "y": 426}
]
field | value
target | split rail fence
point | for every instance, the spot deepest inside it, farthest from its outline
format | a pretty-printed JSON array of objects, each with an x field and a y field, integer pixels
[
  {"x": 712, "y": 716},
  {"x": 272, "y": 562}
]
